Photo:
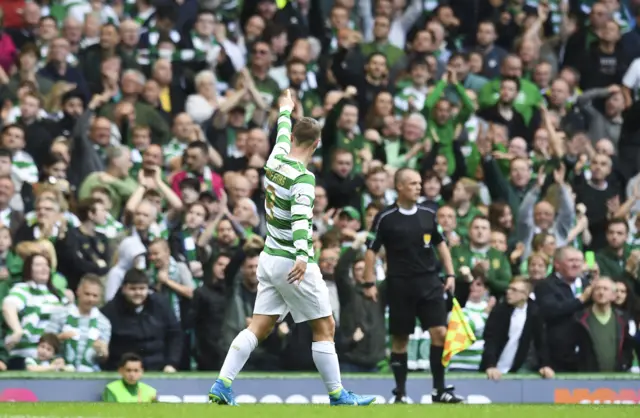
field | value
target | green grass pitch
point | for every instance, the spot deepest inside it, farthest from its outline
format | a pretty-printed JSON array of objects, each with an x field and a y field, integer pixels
[{"x": 91, "y": 410}]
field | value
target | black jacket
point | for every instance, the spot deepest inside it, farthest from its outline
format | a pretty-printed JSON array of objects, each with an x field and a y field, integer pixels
[
  {"x": 587, "y": 358},
  {"x": 496, "y": 336},
  {"x": 154, "y": 333},
  {"x": 558, "y": 306},
  {"x": 358, "y": 311},
  {"x": 208, "y": 307}
]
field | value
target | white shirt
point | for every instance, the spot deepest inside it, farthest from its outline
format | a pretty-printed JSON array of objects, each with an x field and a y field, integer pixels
[
  {"x": 631, "y": 78},
  {"x": 518, "y": 318}
]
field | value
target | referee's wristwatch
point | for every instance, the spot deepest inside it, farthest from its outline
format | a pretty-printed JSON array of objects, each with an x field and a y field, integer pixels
[
  {"x": 368, "y": 285},
  {"x": 449, "y": 275}
]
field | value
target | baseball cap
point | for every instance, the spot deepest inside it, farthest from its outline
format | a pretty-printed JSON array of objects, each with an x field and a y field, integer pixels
[{"x": 351, "y": 212}]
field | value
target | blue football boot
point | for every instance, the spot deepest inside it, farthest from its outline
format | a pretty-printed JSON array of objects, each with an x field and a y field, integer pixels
[
  {"x": 350, "y": 398},
  {"x": 221, "y": 393}
]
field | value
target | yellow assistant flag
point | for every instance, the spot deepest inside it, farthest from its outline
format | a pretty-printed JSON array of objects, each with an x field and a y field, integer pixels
[{"x": 459, "y": 335}]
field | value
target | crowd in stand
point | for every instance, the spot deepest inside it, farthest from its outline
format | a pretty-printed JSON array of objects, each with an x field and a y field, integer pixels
[{"x": 135, "y": 132}]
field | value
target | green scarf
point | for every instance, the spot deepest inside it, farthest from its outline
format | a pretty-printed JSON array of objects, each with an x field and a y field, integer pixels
[
  {"x": 206, "y": 177},
  {"x": 79, "y": 350},
  {"x": 111, "y": 227},
  {"x": 174, "y": 300},
  {"x": 190, "y": 251}
]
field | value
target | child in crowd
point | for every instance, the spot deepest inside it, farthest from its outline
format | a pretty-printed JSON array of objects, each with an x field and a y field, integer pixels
[{"x": 47, "y": 359}]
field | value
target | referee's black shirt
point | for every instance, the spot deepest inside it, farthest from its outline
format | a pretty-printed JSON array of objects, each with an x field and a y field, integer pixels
[{"x": 409, "y": 238}]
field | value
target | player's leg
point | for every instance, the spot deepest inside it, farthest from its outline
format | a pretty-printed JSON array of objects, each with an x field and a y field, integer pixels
[
  {"x": 268, "y": 308},
  {"x": 244, "y": 344},
  {"x": 308, "y": 301},
  {"x": 432, "y": 313},
  {"x": 402, "y": 323}
]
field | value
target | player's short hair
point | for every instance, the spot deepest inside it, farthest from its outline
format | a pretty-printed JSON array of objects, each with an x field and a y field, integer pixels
[{"x": 306, "y": 131}]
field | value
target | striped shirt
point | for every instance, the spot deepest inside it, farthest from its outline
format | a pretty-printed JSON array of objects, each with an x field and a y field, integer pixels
[
  {"x": 290, "y": 192},
  {"x": 35, "y": 304}
]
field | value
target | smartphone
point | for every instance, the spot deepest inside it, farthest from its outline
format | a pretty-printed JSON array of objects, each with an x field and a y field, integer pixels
[
  {"x": 148, "y": 172},
  {"x": 590, "y": 258}
]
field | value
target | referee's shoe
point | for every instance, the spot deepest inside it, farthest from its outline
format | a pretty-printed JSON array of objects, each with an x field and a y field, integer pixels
[{"x": 445, "y": 395}]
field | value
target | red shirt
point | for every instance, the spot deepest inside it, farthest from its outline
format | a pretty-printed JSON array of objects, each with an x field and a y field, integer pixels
[
  {"x": 13, "y": 13},
  {"x": 216, "y": 182}
]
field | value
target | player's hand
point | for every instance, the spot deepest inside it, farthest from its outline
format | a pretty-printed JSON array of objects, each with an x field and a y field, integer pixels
[
  {"x": 67, "y": 335},
  {"x": 358, "y": 335},
  {"x": 286, "y": 100},
  {"x": 450, "y": 285},
  {"x": 13, "y": 339},
  {"x": 297, "y": 272},
  {"x": 371, "y": 293},
  {"x": 283, "y": 330},
  {"x": 493, "y": 373},
  {"x": 547, "y": 373}
]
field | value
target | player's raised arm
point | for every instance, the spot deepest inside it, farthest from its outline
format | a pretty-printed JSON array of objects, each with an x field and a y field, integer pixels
[
  {"x": 302, "y": 196},
  {"x": 283, "y": 137}
]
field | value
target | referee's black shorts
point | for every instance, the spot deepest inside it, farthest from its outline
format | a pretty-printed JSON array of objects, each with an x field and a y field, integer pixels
[{"x": 421, "y": 298}]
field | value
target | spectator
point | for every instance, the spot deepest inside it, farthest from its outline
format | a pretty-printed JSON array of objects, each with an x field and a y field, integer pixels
[
  {"x": 541, "y": 216},
  {"x": 168, "y": 277},
  {"x": 46, "y": 359},
  {"x": 145, "y": 323},
  {"x": 602, "y": 333},
  {"x": 115, "y": 178},
  {"x": 613, "y": 257},
  {"x": 560, "y": 296},
  {"x": 208, "y": 307},
  {"x": 476, "y": 310},
  {"x": 479, "y": 252},
  {"x": 240, "y": 277},
  {"x": 83, "y": 331},
  {"x": 27, "y": 310},
  {"x": 511, "y": 328},
  {"x": 131, "y": 254},
  {"x": 202, "y": 105}
]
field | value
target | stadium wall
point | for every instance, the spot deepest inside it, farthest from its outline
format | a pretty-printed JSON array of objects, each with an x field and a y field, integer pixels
[{"x": 292, "y": 389}]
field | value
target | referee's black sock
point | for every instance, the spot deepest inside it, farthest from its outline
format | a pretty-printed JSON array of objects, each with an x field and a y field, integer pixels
[
  {"x": 437, "y": 369},
  {"x": 398, "y": 364}
]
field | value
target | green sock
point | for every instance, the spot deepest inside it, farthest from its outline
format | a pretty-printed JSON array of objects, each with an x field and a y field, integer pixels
[{"x": 227, "y": 382}]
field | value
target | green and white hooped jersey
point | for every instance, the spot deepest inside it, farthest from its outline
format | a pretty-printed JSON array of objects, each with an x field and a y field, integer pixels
[
  {"x": 35, "y": 305},
  {"x": 290, "y": 192}
]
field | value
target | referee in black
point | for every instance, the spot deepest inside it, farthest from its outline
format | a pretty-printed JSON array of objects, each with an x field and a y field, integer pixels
[{"x": 409, "y": 232}]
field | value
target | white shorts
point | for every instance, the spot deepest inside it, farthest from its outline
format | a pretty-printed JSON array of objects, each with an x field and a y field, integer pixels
[{"x": 306, "y": 301}]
